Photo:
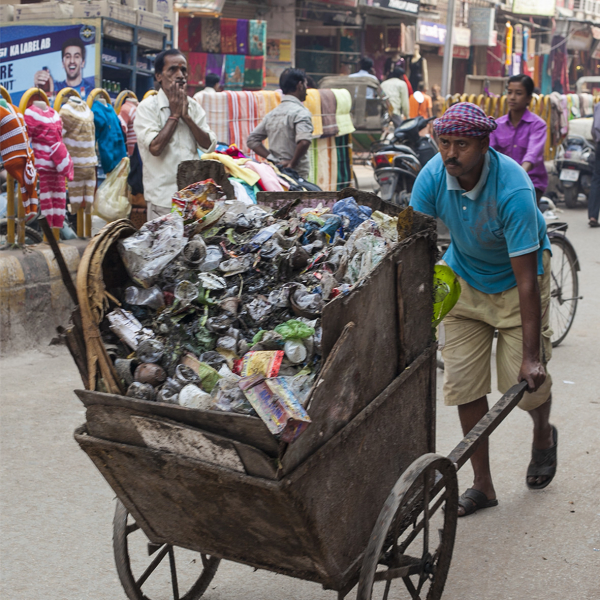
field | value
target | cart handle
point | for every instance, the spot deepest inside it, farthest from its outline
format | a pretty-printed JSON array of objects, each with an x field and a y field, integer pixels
[{"x": 461, "y": 454}]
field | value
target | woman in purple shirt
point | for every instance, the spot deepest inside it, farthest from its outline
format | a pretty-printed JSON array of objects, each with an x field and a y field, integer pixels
[{"x": 521, "y": 134}]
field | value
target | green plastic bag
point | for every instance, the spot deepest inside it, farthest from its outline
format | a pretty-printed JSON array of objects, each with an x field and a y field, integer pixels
[
  {"x": 209, "y": 377},
  {"x": 446, "y": 292},
  {"x": 294, "y": 330}
]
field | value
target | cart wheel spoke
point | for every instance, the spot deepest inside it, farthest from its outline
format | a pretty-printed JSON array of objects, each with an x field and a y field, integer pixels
[
  {"x": 152, "y": 566},
  {"x": 190, "y": 583},
  {"x": 401, "y": 541},
  {"x": 173, "y": 573}
]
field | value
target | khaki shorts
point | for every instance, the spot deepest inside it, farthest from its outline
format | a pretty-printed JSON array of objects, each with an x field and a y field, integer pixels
[{"x": 469, "y": 329}]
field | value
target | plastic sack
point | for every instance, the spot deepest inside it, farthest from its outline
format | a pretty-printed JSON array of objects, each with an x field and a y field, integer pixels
[
  {"x": 112, "y": 202},
  {"x": 147, "y": 252},
  {"x": 446, "y": 292},
  {"x": 351, "y": 213}
]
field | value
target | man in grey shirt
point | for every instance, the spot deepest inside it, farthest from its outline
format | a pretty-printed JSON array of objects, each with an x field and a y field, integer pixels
[
  {"x": 594, "y": 198},
  {"x": 288, "y": 127}
]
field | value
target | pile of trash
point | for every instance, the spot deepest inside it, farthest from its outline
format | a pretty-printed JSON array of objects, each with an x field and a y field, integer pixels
[{"x": 223, "y": 310}]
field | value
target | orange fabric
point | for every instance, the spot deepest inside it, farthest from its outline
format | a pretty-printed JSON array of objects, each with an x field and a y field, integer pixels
[
  {"x": 17, "y": 155},
  {"x": 424, "y": 109}
]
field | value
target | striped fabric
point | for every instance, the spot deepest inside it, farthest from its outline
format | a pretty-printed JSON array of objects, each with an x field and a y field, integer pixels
[
  {"x": 244, "y": 117},
  {"x": 216, "y": 107},
  {"x": 45, "y": 132},
  {"x": 127, "y": 114},
  {"x": 52, "y": 161},
  {"x": 464, "y": 119},
  {"x": 17, "y": 156},
  {"x": 79, "y": 133}
]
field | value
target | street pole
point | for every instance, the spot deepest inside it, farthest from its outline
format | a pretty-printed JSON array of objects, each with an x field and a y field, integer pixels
[{"x": 448, "y": 49}]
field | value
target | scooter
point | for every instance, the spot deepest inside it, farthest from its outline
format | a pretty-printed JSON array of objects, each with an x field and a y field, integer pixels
[
  {"x": 398, "y": 161},
  {"x": 575, "y": 164}
]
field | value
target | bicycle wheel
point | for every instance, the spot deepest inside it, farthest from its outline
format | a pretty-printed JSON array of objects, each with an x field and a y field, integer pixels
[
  {"x": 564, "y": 288},
  {"x": 31, "y": 235}
]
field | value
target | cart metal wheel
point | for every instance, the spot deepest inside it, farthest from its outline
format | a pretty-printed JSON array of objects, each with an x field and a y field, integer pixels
[
  {"x": 404, "y": 544},
  {"x": 156, "y": 578}
]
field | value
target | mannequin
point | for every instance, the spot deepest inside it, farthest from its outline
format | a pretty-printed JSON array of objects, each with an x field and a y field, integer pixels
[
  {"x": 127, "y": 115},
  {"x": 17, "y": 156},
  {"x": 109, "y": 135},
  {"x": 418, "y": 69},
  {"x": 52, "y": 160},
  {"x": 80, "y": 139}
]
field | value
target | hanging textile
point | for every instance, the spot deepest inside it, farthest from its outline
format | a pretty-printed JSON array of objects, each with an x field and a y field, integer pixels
[
  {"x": 242, "y": 36},
  {"x": 110, "y": 138},
  {"x": 183, "y": 29},
  {"x": 195, "y": 35},
  {"x": 313, "y": 103},
  {"x": 328, "y": 110},
  {"x": 546, "y": 87},
  {"x": 257, "y": 37},
  {"x": 253, "y": 72},
  {"x": 344, "y": 163},
  {"x": 234, "y": 72},
  {"x": 229, "y": 36},
  {"x": 272, "y": 99},
  {"x": 217, "y": 113},
  {"x": 211, "y": 35},
  {"x": 261, "y": 106},
  {"x": 327, "y": 164},
  {"x": 196, "y": 68},
  {"x": 214, "y": 64},
  {"x": 342, "y": 113},
  {"x": 243, "y": 118},
  {"x": 17, "y": 156}
]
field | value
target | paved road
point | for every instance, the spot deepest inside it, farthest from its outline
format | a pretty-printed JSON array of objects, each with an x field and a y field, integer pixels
[{"x": 56, "y": 510}]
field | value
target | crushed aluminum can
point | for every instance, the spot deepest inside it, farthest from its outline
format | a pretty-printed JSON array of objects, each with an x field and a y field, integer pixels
[
  {"x": 150, "y": 351},
  {"x": 150, "y": 373},
  {"x": 141, "y": 391}
]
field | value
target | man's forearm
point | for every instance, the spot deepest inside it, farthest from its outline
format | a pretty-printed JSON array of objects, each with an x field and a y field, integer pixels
[
  {"x": 301, "y": 149},
  {"x": 202, "y": 138},
  {"x": 158, "y": 144},
  {"x": 258, "y": 148},
  {"x": 525, "y": 269}
]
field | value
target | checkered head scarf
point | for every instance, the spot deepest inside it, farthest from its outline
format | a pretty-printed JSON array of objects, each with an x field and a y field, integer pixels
[{"x": 464, "y": 119}]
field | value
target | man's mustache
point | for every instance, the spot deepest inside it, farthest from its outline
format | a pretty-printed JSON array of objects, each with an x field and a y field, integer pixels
[{"x": 452, "y": 162}]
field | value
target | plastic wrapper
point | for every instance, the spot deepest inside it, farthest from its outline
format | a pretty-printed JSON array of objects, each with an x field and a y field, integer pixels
[
  {"x": 150, "y": 351},
  {"x": 276, "y": 405},
  {"x": 147, "y": 252},
  {"x": 351, "y": 213},
  {"x": 196, "y": 201},
  {"x": 446, "y": 292},
  {"x": 266, "y": 363},
  {"x": 228, "y": 397},
  {"x": 112, "y": 198},
  {"x": 388, "y": 226},
  {"x": 209, "y": 377}
]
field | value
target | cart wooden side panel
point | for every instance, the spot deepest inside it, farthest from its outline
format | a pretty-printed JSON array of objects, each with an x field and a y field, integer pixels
[{"x": 314, "y": 524}]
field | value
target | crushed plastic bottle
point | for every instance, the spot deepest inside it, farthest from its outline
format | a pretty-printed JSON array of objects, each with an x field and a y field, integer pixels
[
  {"x": 186, "y": 292},
  {"x": 214, "y": 256},
  {"x": 152, "y": 297}
]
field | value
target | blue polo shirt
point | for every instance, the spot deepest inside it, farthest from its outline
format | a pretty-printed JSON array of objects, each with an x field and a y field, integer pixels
[{"x": 494, "y": 222}]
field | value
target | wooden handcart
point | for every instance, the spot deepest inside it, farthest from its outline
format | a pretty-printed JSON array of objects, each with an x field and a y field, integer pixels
[{"x": 355, "y": 501}]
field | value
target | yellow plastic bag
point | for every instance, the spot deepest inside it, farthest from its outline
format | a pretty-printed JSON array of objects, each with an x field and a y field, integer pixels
[
  {"x": 112, "y": 196},
  {"x": 446, "y": 292}
]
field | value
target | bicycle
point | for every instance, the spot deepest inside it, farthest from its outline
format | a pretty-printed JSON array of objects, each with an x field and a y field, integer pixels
[{"x": 564, "y": 286}]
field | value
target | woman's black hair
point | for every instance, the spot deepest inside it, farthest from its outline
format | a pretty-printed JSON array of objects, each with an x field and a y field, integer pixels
[
  {"x": 159, "y": 61},
  {"x": 292, "y": 78},
  {"x": 525, "y": 81}
]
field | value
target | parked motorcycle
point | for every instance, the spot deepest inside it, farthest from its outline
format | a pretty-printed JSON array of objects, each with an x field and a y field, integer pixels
[
  {"x": 575, "y": 164},
  {"x": 398, "y": 161}
]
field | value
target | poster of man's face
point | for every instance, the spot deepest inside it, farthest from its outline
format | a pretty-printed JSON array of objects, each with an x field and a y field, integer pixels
[
  {"x": 49, "y": 58},
  {"x": 73, "y": 62}
]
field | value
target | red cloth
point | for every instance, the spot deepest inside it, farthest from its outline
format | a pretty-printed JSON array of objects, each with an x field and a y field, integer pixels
[
  {"x": 196, "y": 68},
  {"x": 184, "y": 42},
  {"x": 229, "y": 36},
  {"x": 410, "y": 88},
  {"x": 233, "y": 151}
]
